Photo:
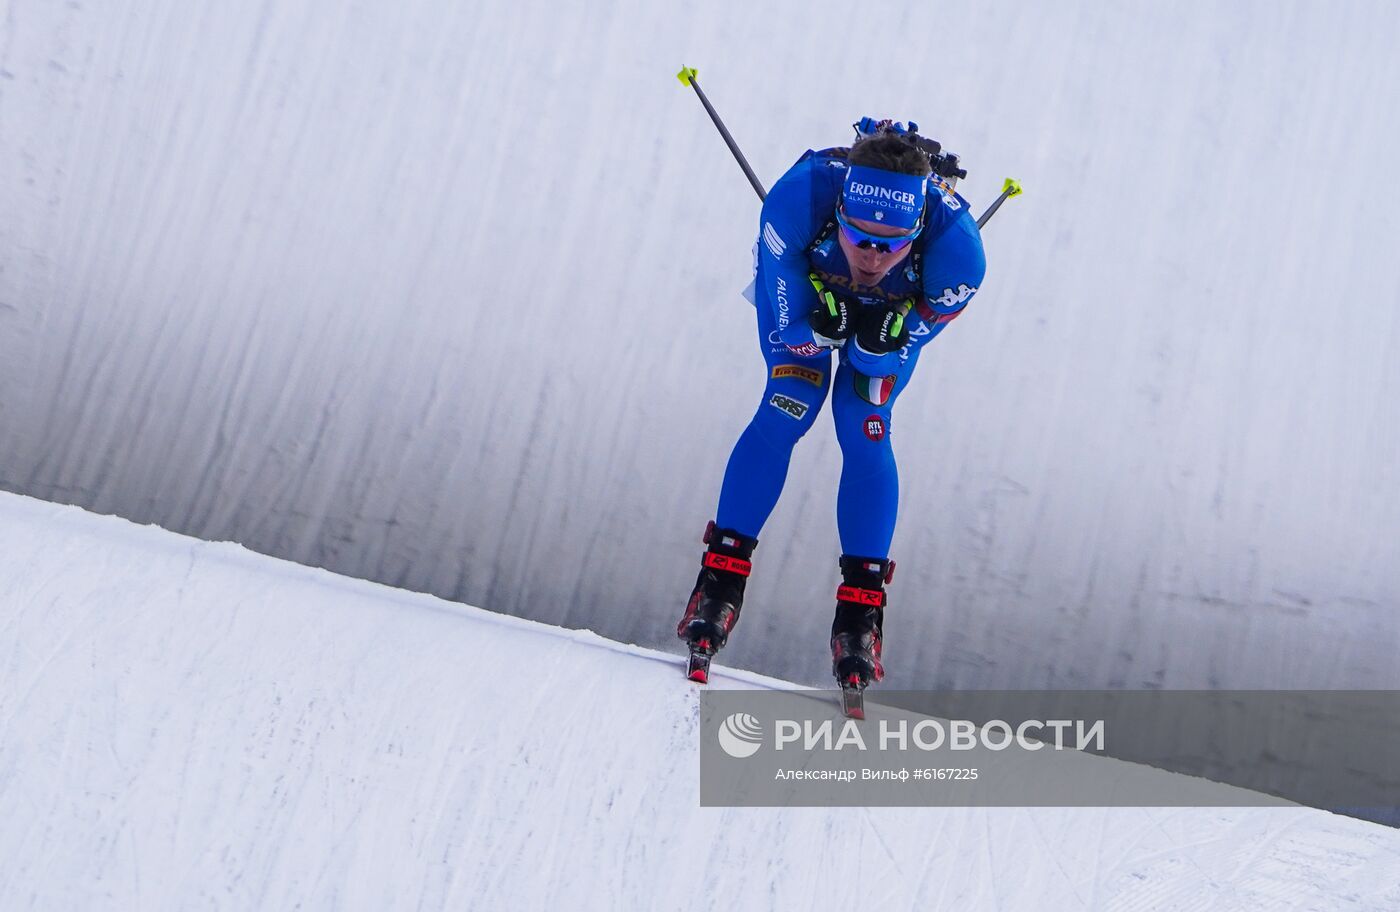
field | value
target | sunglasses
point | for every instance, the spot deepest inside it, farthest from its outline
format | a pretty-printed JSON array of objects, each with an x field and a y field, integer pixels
[{"x": 865, "y": 240}]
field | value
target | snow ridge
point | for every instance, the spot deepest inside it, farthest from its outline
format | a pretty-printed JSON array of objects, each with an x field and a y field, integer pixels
[{"x": 186, "y": 724}]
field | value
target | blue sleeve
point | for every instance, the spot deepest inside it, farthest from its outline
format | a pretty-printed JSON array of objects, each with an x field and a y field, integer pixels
[
  {"x": 786, "y": 228},
  {"x": 954, "y": 265},
  {"x": 870, "y": 363}
]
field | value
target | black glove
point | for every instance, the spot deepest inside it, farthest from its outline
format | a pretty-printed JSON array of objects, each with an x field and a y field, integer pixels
[
  {"x": 881, "y": 330},
  {"x": 834, "y": 317}
]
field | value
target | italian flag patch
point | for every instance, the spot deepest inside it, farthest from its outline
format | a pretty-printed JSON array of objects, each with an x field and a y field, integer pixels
[{"x": 875, "y": 390}]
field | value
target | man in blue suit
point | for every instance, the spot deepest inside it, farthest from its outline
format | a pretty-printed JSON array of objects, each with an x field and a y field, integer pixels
[{"x": 863, "y": 257}]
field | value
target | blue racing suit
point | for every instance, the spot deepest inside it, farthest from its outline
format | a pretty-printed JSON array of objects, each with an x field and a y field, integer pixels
[{"x": 797, "y": 239}]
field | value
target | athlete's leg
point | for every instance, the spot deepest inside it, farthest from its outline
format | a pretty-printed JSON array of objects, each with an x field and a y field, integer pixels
[
  {"x": 868, "y": 500},
  {"x": 758, "y": 466}
]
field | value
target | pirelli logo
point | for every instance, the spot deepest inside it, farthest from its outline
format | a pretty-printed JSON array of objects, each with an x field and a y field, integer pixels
[{"x": 798, "y": 372}]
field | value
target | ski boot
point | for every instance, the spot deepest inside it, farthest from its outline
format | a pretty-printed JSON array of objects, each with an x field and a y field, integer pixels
[
  {"x": 713, "y": 609},
  {"x": 855, "y": 632}
]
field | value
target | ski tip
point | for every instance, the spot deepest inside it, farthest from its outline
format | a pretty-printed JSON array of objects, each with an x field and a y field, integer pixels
[
  {"x": 853, "y": 697},
  {"x": 697, "y": 667},
  {"x": 686, "y": 75}
]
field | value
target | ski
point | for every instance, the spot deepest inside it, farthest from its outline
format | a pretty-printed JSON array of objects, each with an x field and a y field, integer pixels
[
  {"x": 853, "y": 697},
  {"x": 697, "y": 667}
]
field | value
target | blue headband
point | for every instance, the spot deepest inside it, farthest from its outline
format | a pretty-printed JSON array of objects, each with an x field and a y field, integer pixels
[{"x": 883, "y": 196}]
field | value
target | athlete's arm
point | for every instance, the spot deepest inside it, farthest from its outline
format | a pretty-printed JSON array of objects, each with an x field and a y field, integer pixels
[
  {"x": 954, "y": 265},
  {"x": 785, "y": 230}
]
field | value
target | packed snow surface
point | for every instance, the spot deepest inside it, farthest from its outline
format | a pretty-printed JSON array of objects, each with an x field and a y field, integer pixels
[{"x": 192, "y": 725}]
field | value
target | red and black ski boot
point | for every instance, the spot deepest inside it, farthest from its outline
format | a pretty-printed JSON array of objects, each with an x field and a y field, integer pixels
[
  {"x": 714, "y": 605},
  {"x": 856, "y": 631}
]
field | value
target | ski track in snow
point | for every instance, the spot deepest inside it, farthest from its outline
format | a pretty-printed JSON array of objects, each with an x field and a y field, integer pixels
[{"x": 191, "y": 725}]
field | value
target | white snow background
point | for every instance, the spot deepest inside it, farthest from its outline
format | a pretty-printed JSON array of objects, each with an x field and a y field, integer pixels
[
  {"x": 446, "y": 296},
  {"x": 187, "y": 725}
]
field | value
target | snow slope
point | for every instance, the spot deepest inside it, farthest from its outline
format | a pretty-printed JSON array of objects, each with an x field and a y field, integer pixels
[
  {"x": 274, "y": 274},
  {"x": 191, "y": 725}
]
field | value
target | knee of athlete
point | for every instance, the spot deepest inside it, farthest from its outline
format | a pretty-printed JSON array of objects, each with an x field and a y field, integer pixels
[
  {"x": 863, "y": 433},
  {"x": 787, "y": 414}
]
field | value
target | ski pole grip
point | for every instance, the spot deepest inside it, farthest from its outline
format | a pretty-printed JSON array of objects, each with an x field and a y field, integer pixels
[{"x": 1011, "y": 187}]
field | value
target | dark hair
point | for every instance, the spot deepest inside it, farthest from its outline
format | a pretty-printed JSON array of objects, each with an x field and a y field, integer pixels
[{"x": 890, "y": 152}]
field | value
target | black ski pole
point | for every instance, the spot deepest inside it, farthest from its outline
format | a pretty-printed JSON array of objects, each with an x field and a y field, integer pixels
[
  {"x": 687, "y": 77},
  {"x": 1009, "y": 189}
]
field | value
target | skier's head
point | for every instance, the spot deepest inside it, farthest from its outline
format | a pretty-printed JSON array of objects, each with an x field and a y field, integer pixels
[
  {"x": 885, "y": 181},
  {"x": 890, "y": 151},
  {"x": 882, "y": 203}
]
